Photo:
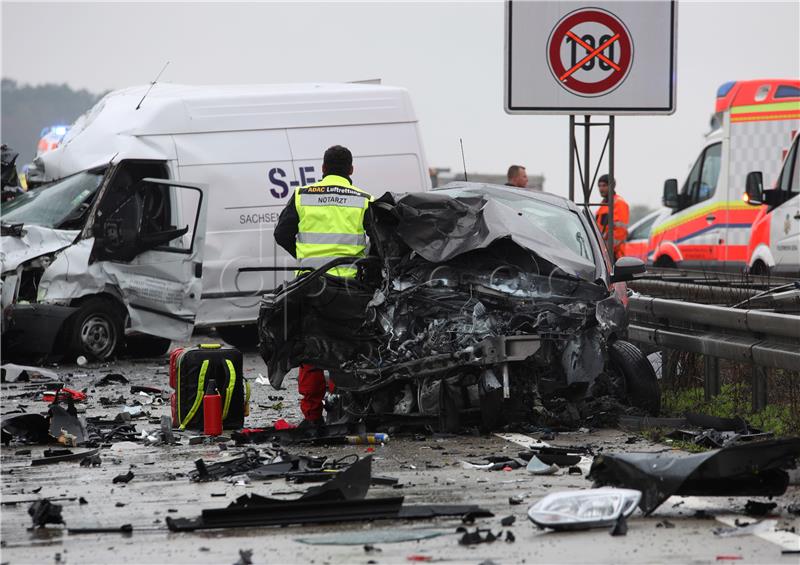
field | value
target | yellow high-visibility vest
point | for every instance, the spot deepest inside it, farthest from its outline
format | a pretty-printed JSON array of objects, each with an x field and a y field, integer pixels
[{"x": 331, "y": 214}]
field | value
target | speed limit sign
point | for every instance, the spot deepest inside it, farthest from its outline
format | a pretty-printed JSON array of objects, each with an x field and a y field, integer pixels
[
  {"x": 572, "y": 56},
  {"x": 590, "y": 52}
]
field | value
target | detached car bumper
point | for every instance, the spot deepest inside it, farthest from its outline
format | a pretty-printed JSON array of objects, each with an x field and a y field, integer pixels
[{"x": 32, "y": 328}]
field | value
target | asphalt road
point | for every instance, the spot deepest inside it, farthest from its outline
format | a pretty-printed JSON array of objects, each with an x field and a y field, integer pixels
[{"x": 430, "y": 471}]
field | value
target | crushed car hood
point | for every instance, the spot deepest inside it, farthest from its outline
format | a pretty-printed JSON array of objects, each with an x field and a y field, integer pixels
[
  {"x": 35, "y": 241},
  {"x": 440, "y": 227}
]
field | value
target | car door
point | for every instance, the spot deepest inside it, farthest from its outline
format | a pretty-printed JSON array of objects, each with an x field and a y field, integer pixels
[
  {"x": 785, "y": 221},
  {"x": 148, "y": 243}
]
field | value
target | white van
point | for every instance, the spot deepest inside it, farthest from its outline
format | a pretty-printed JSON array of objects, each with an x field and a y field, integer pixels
[{"x": 246, "y": 146}]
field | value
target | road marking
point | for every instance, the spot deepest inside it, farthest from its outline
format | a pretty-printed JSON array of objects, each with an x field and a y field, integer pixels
[{"x": 786, "y": 540}]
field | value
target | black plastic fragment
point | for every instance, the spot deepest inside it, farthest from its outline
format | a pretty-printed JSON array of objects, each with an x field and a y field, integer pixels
[
  {"x": 508, "y": 521},
  {"x": 26, "y": 428},
  {"x": 45, "y": 512},
  {"x": 112, "y": 378},
  {"x": 123, "y": 529},
  {"x": 126, "y": 478},
  {"x": 621, "y": 527},
  {"x": 515, "y": 500},
  {"x": 755, "y": 508},
  {"x": 749, "y": 469},
  {"x": 62, "y": 455}
]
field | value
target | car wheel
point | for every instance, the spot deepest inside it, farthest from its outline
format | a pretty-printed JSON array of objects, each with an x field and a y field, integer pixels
[
  {"x": 96, "y": 329},
  {"x": 641, "y": 383},
  {"x": 244, "y": 336},
  {"x": 760, "y": 269},
  {"x": 146, "y": 346}
]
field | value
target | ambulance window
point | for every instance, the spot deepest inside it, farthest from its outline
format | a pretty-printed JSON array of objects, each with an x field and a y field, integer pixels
[
  {"x": 786, "y": 91},
  {"x": 791, "y": 170},
  {"x": 710, "y": 174},
  {"x": 692, "y": 180}
]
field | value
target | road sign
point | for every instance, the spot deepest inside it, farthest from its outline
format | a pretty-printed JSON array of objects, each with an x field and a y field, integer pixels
[{"x": 590, "y": 58}]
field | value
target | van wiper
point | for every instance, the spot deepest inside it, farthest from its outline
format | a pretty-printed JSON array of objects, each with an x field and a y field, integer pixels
[{"x": 14, "y": 230}]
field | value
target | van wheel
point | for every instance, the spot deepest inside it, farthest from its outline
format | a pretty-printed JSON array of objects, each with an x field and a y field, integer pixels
[
  {"x": 641, "y": 383},
  {"x": 146, "y": 346},
  {"x": 95, "y": 330},
  {"x": 244, "y": 336},
  {"x": 759, "y": 269}
]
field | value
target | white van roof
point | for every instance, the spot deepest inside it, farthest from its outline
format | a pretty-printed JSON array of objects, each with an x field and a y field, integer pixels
[
  {"x": 173, "y": 108},
  {"x": 114, "y": 128}
]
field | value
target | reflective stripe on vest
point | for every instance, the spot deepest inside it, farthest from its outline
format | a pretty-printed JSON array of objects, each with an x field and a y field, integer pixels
[{"x": 331, "y": 224}]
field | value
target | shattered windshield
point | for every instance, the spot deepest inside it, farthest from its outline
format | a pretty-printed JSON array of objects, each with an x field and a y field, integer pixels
[
  {"x": 53, "y": 205},
  {"x": 561, "y": 223}
]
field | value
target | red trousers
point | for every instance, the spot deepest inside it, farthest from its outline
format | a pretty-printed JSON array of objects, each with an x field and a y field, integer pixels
[{"x": 311, "y": 385}]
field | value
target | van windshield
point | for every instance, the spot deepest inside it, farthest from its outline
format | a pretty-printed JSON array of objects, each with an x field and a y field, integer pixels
[{"x": 55, "y": 205}]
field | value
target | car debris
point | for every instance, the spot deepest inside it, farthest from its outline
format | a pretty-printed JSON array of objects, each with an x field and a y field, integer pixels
[
  {"x": 337, "y": 500},
  {"x": 52, "y": 456},
  {"x": 585, "y": 509},
  {"x": 465, "y": 296},
  {"x": 537, "y": 467},
  {"x": 746, "y": 530},
  {"x": 123, "y": 479},
  {"x": 755, "y": 508},
  {"x": 13, "y": 373},
  {"x": 112, "y": 378},
  {"x": 26, "y": 428},
  {"x": 371, "y": 537},
  {"x": 44, "y": 512},
  {"x": 749, "y": 469}
]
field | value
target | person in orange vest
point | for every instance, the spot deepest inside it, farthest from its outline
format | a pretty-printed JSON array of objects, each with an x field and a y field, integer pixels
[{"x": 621, "y": 215}]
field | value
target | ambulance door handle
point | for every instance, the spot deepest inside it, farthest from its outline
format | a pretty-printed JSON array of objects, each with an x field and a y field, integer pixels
[
  {"x": 710, "y": 218},
  {"x": 797, "y": 216}
]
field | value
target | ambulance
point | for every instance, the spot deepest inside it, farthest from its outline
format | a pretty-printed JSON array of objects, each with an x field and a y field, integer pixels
[
  {"x": 709, "y": 225},
  {"x": 164, "y": 200},
  {"x": 774, "y": 247}
]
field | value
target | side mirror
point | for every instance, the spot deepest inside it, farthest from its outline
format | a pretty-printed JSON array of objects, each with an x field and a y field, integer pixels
[
  {"x": 670, "y": 197},
  {"x": 754, "y": 188},
  {"x": 626, "y": 267}
]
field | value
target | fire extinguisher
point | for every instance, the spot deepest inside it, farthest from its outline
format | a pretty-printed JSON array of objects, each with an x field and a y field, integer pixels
[{"x": 212, "y": 410}]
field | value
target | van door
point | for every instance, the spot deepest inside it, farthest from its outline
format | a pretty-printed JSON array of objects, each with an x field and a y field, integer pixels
[
  {"x": 148, "y": 242},
  {"x": 699, "y": 228},
  {"x": 785, "y": 221}
]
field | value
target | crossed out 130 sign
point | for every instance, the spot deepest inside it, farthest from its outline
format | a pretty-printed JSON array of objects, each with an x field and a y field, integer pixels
[{"x": 590, "y": 52}]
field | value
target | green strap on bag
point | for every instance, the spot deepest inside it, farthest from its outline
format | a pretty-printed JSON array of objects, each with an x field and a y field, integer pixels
[
  {"x": 231, "y": 384},
  {"x": 198, "y": 400}
]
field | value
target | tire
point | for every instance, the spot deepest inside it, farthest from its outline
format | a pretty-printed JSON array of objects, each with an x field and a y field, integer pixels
[
  {"x": 759, "y": 269},
  {"x": 665, "y": 262},
  {"x": 244, "y": 336},
  {"x": 641, "y": 384},
  {"x": 95, "y": 330},
  {"x": 146, "y": 346}
]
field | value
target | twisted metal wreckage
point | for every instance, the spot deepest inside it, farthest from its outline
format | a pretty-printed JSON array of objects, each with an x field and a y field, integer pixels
[{"x": 472, "y": 301}]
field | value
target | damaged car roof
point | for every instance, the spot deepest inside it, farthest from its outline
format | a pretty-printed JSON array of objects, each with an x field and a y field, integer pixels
[{"x": 463, "y": 216}]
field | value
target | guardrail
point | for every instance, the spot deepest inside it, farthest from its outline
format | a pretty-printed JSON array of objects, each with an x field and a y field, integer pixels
[{"x": 765, "y": 340}]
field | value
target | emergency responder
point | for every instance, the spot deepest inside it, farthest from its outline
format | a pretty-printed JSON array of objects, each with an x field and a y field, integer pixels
[
  {"x": 517, "y": 176},
  {"x": 323, "y": 221},
  {"x": 621, "y": 215}
]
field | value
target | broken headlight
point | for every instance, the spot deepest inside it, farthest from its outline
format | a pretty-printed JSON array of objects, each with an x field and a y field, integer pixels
[{"x": 596, "y": 508}]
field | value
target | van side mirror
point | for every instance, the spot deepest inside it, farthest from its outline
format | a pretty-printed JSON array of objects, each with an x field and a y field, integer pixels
[
  {"x": 626, "y": 267},
  {"x": 670, "y": 197},
  {"x": 754, "y": 188}
]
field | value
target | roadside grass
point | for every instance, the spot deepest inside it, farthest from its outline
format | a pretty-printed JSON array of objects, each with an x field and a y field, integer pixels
[{"x": 733, "y": 400}]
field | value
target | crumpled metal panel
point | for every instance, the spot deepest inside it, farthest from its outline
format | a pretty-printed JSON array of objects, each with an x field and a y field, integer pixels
[
  {"x": 440, "y": 227},
  {"x": 71, "y": 276},
  {"x": 35, "y": 242}
]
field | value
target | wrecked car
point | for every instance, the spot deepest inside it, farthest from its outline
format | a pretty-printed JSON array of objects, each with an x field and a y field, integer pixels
[
  {"x": 475, "y": 302},
  {"x": 101, "y": 260}
]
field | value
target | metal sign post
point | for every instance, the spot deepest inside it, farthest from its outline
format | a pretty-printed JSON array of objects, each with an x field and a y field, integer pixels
[{"x": 591, "y": 58}]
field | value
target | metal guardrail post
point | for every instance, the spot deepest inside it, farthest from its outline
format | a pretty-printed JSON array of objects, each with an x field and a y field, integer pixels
[
  {"x": 758, "y": 385},
  {"x": 711, "y": 380}
]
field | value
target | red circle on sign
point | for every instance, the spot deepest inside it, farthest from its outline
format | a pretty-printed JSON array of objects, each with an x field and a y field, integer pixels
[{"x": 558, "y": 35}]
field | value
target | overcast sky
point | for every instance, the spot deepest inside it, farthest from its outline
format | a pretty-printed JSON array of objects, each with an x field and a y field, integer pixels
[{"x": 448, "y": 54}]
